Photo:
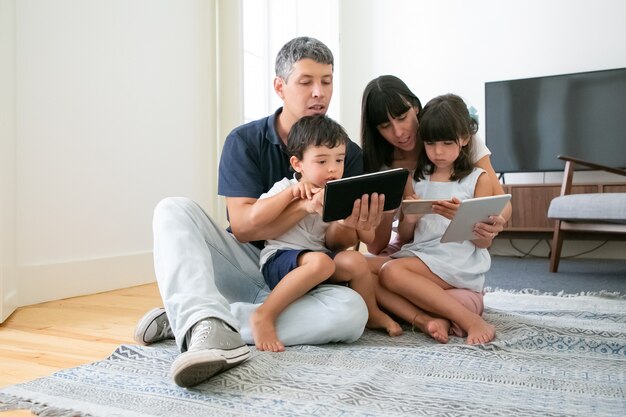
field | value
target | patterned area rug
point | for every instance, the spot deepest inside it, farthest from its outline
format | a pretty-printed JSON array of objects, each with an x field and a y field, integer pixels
[{"x": 553, "y": 356}]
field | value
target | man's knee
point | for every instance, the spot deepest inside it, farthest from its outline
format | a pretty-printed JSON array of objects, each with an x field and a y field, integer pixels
[
  {"x": 171, "y": 205},
  {"x": 347, "y": 313},
  {"x": 181, "y": 211}
]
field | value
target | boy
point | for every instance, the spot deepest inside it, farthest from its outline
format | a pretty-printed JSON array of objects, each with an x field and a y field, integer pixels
[{"x": 304, "y": 256}]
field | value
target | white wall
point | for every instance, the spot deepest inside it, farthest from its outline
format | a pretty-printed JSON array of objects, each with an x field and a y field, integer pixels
[
  {"x": 112, "y": 101},
  {"x": 457, "y": 46},
  {"x": 116, "y": 107},
  {"x": 8, "y": 276}
]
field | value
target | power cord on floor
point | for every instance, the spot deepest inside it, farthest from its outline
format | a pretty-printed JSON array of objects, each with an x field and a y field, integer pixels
[
  {"x": 529, "y": 253},
  {"x": 582, "y": 253},
  {"x": 524, "y": 254}
]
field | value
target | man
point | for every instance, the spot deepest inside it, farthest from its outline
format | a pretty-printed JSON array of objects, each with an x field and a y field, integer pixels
[{"x": 209, "y": 281}]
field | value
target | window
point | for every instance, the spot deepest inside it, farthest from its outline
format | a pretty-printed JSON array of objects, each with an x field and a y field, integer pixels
[{"x": 267, "y": 25}]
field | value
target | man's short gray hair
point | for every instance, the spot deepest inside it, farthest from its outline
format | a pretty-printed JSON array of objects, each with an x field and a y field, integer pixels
[{"x": 299, "y": 48}]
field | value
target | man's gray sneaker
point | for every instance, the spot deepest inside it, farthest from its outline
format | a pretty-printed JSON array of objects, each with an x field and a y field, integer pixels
[
  {"x": 153, "y": 327},
  {"x": 214, "y": 347}
]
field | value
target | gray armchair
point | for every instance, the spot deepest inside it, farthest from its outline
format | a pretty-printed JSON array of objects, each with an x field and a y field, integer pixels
[{"x": 601, "y": 215}]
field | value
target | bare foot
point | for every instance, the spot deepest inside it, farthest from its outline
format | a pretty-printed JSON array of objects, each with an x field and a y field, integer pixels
[
  {"x": 381, "y": 320},
  {"x": 481, "y": 332},
  {"x": 264, "y": 333},
  {"x": 437, "y": 328}
]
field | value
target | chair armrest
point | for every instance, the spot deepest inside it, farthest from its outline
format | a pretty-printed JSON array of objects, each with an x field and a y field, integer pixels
[
  {"x": 568, "y": 174},
  {"x": 592, "y": 165}
]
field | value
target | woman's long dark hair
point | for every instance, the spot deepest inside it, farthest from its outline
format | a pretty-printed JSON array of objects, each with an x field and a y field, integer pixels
[{"x": 384, "y": 96}]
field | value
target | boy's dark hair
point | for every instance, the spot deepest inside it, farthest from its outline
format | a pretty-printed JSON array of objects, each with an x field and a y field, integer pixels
[
  {"x": 301, "y": 48},
  {"x": 316, "y": 130},
  {"x": 446, "y": 118}
]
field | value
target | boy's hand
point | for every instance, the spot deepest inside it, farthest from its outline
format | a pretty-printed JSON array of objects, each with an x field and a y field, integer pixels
[
  {"x": 315, "y": 204},
  {"x": 304, "y": 190}
]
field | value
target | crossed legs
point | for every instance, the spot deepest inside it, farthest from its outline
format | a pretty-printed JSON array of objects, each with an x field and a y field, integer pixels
[{"x": 406, "y": 287}]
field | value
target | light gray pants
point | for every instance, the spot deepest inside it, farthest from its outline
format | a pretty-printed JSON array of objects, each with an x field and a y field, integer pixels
[{"x": 203, "y": 271}]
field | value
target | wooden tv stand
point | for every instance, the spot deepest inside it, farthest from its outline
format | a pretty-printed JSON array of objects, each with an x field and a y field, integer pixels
[{"x": 531, "y": 201}]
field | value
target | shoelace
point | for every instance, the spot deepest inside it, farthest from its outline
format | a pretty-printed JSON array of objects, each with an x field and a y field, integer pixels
[
  {"x": 200, "y": 333},
  {"x": 164, "y": 331}
]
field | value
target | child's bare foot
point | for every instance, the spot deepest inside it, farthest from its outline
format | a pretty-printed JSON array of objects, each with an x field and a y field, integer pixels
[
  {"x": 437, "y": 328},
  {"x": 264, "y": 333},
  {"x": 381, "y": 320},
  {"x": 481, "y": 332}
]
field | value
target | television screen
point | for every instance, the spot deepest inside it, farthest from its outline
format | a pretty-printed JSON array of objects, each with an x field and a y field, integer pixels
[{"x": 529, "y": 122}]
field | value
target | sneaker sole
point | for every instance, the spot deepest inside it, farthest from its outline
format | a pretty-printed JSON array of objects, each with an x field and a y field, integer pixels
[
  {"x": 192, "y": 368},
  {"x": 144, "y": 323}
]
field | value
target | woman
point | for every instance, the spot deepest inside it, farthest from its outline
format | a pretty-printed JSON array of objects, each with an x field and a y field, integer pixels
[{"x": 389, "y": 138}]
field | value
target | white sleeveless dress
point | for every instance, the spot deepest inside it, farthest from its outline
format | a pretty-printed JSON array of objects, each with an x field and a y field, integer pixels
[{"x": 460, "y": 264}]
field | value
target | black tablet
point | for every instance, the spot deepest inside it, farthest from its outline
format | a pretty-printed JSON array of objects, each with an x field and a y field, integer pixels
[{"x": 339, "y": 195}]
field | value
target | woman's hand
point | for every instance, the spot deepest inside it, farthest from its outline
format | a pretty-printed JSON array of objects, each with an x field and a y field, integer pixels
[{"x": 367, "y": 212}]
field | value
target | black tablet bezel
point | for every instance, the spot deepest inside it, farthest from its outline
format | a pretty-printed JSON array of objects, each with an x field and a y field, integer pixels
[{"x": 339, "y": 195}]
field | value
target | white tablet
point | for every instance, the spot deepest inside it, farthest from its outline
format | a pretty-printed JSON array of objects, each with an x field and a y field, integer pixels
[
  {"x": 470, "y": 212},
  {"x": 417, "y": 206}
]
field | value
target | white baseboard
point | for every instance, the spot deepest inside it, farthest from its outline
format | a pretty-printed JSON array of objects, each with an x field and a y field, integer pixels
[
  {"x": 42, "y": 283},
  {"x": 8, "y": 303}
]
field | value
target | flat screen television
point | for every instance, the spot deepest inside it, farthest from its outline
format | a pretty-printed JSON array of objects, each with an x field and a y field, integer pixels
[{"x": 529, "y": 122}]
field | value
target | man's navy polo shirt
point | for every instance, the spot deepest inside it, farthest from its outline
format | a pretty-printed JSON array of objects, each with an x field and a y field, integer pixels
[{"x": 254, "y": 158}]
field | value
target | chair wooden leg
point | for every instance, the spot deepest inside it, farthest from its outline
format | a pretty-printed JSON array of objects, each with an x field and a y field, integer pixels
[{"x": 557, "y": 245}]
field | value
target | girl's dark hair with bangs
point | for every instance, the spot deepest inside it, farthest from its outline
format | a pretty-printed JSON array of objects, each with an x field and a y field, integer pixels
[
  {"x": 446, "y": 118},
  {"x": 384, "y": 96},
  {"x": 316, "y": 130}
]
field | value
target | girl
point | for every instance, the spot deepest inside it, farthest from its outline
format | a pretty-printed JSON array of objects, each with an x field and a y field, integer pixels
[
  {"x": 423, "y": 273},
  {"x": 390, "y": 139}
]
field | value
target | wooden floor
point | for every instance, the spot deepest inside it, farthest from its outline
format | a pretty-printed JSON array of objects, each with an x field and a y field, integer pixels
[{"x": 41, "y": 339}]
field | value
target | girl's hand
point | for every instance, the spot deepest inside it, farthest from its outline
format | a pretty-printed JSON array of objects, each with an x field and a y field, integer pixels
[
  {"x": 490, "y": 228},
  {"x": 410, "y": 218},
  {"x": 447, "y": 208}
]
